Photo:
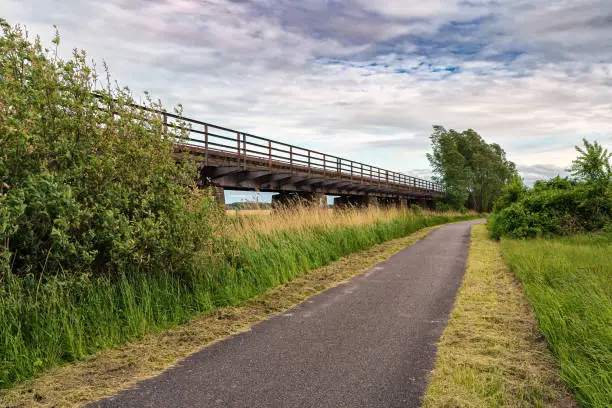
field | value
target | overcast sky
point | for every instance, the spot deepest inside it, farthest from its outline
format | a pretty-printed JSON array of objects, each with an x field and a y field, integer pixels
[{"x": 364, "y": 79}]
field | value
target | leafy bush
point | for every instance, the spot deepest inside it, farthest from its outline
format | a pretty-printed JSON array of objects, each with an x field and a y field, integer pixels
[
  {"x": 559, "y": 206},
  {"x": 510, "y": 193},
  {"x": 89, "y": 183}
]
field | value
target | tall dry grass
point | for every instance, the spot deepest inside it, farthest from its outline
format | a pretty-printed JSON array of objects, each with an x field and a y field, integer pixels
[{"x": 251, "y": 224}]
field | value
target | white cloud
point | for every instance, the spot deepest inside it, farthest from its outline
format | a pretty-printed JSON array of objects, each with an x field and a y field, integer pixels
[{"x": 533, "y": 76}]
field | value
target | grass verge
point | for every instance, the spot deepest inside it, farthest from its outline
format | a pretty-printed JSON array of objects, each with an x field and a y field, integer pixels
[
  {"x": 66, "y": 319},
  {"x": 491, "y": 354},
  {"x": 569, "y": 282},
  {"x": 112, "y": 370}
]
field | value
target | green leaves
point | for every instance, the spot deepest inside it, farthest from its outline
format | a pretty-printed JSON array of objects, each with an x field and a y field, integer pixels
[
  {"x": 559, "y": 206},
  {"x": 472, "y": 171},
  {"x": 593, "y": 164},
  {"x": 85, "y": 189}
]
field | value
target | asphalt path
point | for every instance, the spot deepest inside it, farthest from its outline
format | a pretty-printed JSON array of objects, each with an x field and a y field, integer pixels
[{"x": 369, "y": 342}]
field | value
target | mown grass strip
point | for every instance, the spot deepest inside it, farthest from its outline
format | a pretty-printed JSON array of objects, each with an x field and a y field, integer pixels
[
  {"x": 569, "y": 282},
  {"x": 112, "y": 370},
  {"x": 492, "y": 354}
]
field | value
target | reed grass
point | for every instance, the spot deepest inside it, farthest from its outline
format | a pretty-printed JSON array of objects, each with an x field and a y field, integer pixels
[{"x": 70, "y": 317}]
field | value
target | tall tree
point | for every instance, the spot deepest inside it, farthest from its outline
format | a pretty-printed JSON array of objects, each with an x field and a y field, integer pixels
[
  {"x": 472, "y": 170},
  {"x": 592, "y": 164}
]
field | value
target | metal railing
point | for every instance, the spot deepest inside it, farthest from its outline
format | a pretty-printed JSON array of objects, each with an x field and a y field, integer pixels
[{"x": 210, "y": 140}]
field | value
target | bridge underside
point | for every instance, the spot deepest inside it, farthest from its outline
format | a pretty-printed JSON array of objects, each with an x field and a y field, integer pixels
[
  {"x": 297, "y": 183},
  {"x": 236, "y": 178},
  {"x": 304, "y": 189}
]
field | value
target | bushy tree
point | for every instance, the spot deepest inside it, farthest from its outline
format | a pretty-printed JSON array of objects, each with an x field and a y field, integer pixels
[
  {"x": 593, "y": 163},
  {"x": 472, "y": 171},
  {"x": 511, "y": 193},
  {"x": 88, "y": 183}
]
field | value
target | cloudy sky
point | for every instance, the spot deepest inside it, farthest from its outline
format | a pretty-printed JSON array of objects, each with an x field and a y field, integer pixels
[{"x": 364, "y": 79}]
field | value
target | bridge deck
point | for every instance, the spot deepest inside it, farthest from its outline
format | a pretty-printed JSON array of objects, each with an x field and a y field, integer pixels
[
  {"x": 237, "y": 160},
  {"x": 235, "y": 171}
]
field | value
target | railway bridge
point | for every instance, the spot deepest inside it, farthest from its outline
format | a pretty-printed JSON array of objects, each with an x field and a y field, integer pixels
[{"x": 235, "y": 160}]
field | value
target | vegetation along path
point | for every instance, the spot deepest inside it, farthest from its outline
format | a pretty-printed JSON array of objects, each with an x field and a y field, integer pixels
[{"x": 369, "y": 342}]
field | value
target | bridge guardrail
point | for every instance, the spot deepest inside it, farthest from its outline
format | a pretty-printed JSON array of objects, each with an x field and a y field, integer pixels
[{"x": 211, "y": 139}]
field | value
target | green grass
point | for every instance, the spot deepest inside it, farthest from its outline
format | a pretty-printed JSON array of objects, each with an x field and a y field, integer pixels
[
  {"x": 569, "y": 282},
  {"x": 491, "y": 353},
  {"x": 63, "y": 320}
]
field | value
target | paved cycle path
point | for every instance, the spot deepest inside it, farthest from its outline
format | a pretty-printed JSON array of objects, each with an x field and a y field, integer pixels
[{"x": 367, "y": 343}]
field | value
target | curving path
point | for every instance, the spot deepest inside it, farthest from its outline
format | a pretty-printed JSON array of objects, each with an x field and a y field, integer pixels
[{"x": 367, "y": 343}]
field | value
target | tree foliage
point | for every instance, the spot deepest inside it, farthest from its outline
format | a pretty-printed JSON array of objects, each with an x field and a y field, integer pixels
[
  {"x": 593, "y": 164},
  {"x": 472, "y": 171},
  {"x": 87, "y": 183},
  {"x": 558, "y": 206}
]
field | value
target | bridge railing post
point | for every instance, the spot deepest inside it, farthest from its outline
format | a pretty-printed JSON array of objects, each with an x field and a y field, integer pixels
[
  {"x": 291, "y": 158},
  {"x": 244, "y": 150},
  {"x": 269, "y": 153},
  {"x": 361, "y": 172},
  {"x": 324, "y": 164},
  {"x": 206, "y": 145},
  {"x": 309, "y": 162},
  {"x": 238, "y": 145}
]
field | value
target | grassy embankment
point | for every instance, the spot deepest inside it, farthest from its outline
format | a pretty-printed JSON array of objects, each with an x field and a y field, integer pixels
[
  {"x": 491, "y": 354},
  {"x": 569, "y": 283},
  {"x": 47, "y": 325},
  {"x": 112, "y": 370}
]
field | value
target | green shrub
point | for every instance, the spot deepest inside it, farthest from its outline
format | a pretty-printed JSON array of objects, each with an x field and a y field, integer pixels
[
  {"x": 88, "y": 189},
  {"x": 554, "y": 207},
  {"x": 512, "y": 192}
]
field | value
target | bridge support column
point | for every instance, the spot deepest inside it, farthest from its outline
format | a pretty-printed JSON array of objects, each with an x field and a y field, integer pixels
[
  {"x": 424, "y": 204},
  {"x": 391, "y": 202},
  {"x": 282, "y": 200},
  {"x": 402, "y": 202},
  {"x": 356, "y": 201},
  {"x": 218, "y": 194}
]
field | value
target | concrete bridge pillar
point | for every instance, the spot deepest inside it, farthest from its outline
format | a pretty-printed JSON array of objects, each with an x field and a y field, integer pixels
[
  {"x": 218, "y": 194},
  {"x": 402, "y": 202},
  {"x": 389, "y": 202},
  {"x": 356, "y": 201},
  {"x": 369, "y": 201},
  {"x": 344, "y": 202},
  {"x": 282, "y": 200},
  {"x": 423, "y": 203}
]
